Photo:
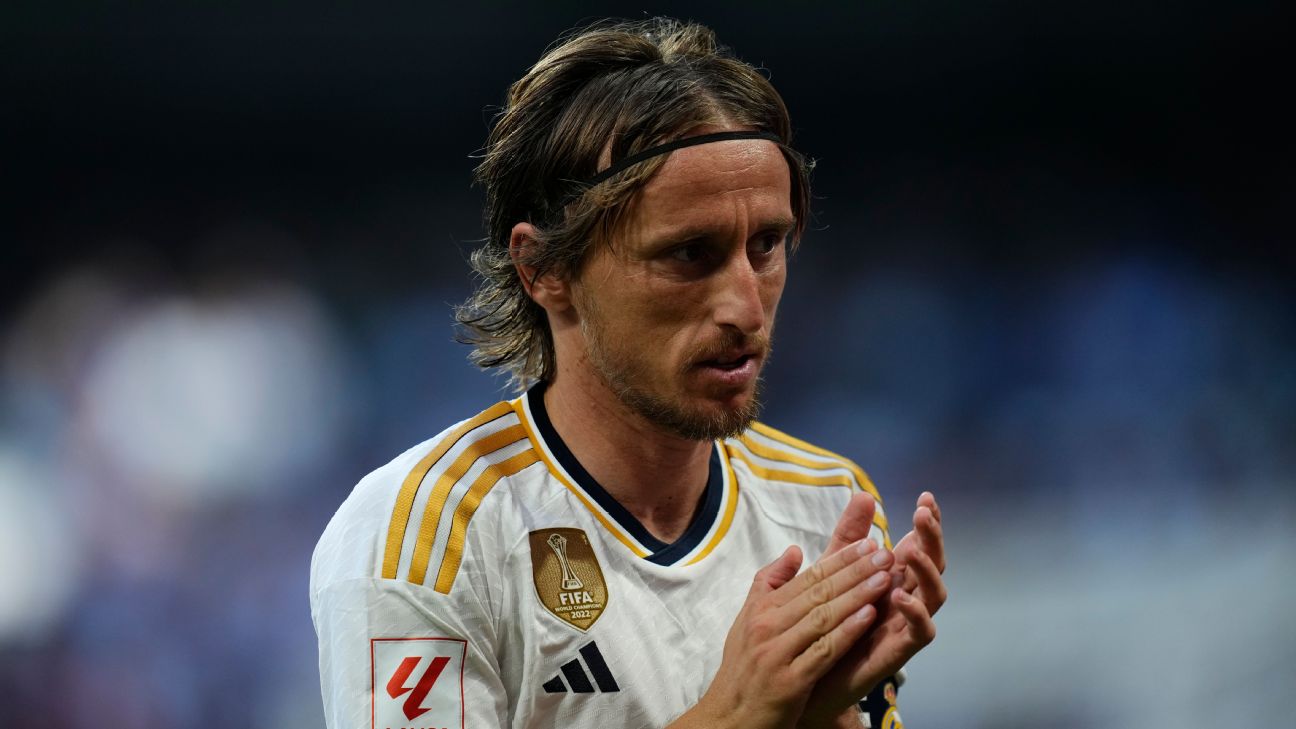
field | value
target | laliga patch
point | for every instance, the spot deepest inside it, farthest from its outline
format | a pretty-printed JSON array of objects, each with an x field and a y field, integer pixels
[
  {"x": 418, "y": 682},
  {"x": 568, "y": 579}
]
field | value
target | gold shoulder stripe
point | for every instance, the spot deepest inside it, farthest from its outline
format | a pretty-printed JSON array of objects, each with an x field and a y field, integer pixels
[
  {"x": 770, "y": 474},
  {"x": 833, "y": 479},
  {"x": 773, "y": 454},
  {"x": 405, "y": 499},
  {"x": 437, "y": 499},
  {"x": 468, "y": 506},
  {"x": 864, "y": 481}
]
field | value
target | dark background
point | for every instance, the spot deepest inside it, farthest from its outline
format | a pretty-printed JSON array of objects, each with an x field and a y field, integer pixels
[
  {"x": 1036, "y": 133},
  {"x": 1049, "y": 277}
]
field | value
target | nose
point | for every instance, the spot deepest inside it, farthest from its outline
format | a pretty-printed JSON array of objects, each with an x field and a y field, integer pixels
[{"x": 739, "y": 304}]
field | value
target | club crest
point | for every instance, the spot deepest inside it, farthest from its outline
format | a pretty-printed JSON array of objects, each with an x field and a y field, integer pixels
[
  {"x": 568, "y": 579},
  {"x": 891, "y": 719}
]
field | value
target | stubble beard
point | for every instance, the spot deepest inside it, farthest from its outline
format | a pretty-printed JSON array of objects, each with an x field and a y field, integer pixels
[{"x": 622, "y": 375}]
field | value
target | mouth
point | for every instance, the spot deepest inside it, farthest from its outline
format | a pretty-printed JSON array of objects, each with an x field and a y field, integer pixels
[
  {"x": 730, "y": 366},
  {"x": 729, "y": 362},
  {"x": 731, "y": 370}
]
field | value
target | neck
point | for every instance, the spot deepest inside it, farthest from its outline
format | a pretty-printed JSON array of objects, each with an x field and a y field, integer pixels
[{"x": 658, "y": 477}]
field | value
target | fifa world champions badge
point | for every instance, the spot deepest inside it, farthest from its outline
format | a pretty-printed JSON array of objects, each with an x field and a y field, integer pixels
[
  {"x": 568, "y": 579},
  {"x": 558, "y": 543}
]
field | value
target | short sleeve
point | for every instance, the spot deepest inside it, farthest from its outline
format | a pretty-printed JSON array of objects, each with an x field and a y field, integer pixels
[{"x": 393, "y": 653}]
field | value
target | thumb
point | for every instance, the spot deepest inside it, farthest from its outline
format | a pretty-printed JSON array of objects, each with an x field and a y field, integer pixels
[
  {"x": 855, "y": 522},
  {"x": 777, "y": 573}
]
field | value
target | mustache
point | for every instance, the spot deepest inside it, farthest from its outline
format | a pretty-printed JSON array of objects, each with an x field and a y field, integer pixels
[{"x": 727, "y": 343}]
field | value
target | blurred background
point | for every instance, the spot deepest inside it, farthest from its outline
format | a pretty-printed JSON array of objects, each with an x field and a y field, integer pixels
[{"x": 1050, "y": 278}]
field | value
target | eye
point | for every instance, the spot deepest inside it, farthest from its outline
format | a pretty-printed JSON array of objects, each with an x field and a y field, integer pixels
[
  {"x": 689, "y": 253},
  {"x": 769, "y": 242}
]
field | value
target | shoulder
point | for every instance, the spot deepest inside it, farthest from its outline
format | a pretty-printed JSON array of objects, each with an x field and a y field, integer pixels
[
  {"x": 774, "y": 455},
  {"x": 775, "y": 459},
  {"x": 408, "y": 519}
]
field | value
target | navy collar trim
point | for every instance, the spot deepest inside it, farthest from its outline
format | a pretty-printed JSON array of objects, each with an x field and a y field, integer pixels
[{"x": 660, "y": 552}]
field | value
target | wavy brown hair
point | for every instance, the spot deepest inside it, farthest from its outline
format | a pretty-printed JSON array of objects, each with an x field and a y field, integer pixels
[{"x": 600, "y": 94}]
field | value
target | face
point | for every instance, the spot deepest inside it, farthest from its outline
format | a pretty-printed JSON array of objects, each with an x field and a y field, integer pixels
[{"x": 677, "y": 312}]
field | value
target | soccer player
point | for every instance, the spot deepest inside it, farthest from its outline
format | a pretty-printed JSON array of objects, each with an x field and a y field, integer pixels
[{"x": 623, "y": 545}]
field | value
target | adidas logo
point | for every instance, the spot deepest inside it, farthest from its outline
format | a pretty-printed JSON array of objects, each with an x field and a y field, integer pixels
[{"x": 578, "y": 679}]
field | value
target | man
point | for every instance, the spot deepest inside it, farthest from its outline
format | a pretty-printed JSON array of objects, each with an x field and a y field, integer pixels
[{"x": 622, "y": 545}]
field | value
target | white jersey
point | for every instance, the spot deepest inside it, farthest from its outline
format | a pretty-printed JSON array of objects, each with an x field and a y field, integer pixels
[{"x": 483, "y": 579}]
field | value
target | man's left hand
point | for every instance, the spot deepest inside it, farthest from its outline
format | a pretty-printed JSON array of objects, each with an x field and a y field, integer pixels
[{"x": 905, "y": 615}]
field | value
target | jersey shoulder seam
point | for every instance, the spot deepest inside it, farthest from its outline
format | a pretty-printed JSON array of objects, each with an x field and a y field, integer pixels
[{"x": 446, "y": 462}]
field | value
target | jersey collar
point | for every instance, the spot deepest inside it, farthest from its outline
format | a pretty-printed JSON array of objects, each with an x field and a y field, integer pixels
[{"x": 657, "y": 551}]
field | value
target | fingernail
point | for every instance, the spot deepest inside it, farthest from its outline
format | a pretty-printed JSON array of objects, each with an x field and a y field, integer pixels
[
  {"x": 865, "y": 613},
  {"x": 902, "y": 596},
  {"x": 878, "y": 580},
  {"x": 864, "y": 546},
  {"x": 881, "y": 558}
]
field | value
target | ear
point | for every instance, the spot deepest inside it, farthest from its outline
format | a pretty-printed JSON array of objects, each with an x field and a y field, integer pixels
[{"x": 549, "y": 290}]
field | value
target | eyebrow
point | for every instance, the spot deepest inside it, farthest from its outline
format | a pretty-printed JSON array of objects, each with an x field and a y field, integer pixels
[{"x": 699, "y": 231}]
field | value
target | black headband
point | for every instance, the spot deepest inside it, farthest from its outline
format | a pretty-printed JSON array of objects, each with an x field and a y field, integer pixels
[{"x": 622, "y": 164}]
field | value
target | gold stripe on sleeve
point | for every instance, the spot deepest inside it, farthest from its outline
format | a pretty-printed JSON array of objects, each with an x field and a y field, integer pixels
[
  {"x": 786, "y": 456},
  {"x": 864, "y": 481},
  {"x": 833, "y": 479},
  {"x": 446, "y": 481},
  {"x": 468, "y": 506},
  {"x": 837, "y": 479},
  {"x": 405, "y": 499}
]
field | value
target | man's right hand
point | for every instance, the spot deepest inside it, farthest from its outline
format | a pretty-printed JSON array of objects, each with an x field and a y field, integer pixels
[{"x": 791, "y": 630}]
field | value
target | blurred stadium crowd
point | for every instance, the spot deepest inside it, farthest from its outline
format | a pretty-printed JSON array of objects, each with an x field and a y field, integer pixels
[{"x": 1090, "y": 357}]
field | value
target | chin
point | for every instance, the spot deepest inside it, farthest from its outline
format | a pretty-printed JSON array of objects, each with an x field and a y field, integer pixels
[{"x": 706, "y": 417}]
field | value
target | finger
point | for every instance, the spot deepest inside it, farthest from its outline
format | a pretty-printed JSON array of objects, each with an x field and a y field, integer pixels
[
  {"x": 904, "y": 552},
  {"x": 907, "y": 545},
  {"x": 824, "y": 605},
  {"x": 821, "y": 600},
  {"x": 777, "y": 573},
  {"x": 928, "y": 499},
  {"x": 918, "y": 622},
  {"x": 855, "y": 522},
  {"x": 925, "y": 524},
  {"x": 930, "y": 586},
  {"x": 932, "y": 536},
  {"x": 926, "y": 540},
  {"x": 821, "y": 571},
  {"x": 819, "y": 649},
  {"x": 903, "y": 577}
]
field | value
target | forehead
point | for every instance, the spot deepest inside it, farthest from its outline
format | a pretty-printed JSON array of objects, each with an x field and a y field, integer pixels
[{"x": 743, "y": 182}]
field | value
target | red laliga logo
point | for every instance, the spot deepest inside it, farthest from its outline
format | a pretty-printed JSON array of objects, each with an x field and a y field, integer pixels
[
  {"x": 396, "y": 686},
  {"x": 418, "y": 683}
]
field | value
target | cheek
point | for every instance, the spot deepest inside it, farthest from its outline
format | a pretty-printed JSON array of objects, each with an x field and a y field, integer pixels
[
  {"x": 668, "y": 307},
  {"x": 668, "y": 324},
  {"x": 772, "y": 291},
  {"x": 645, "y": 322}
]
